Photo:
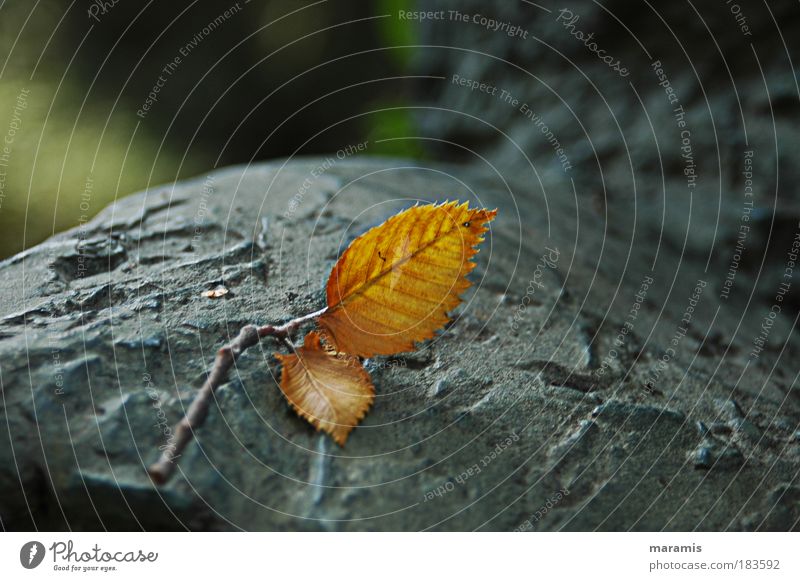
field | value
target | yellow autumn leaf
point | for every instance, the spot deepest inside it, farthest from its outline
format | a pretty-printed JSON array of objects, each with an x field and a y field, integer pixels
[
  {"x": 396, "y": 283},
  {"x": 332, "y": 391}
]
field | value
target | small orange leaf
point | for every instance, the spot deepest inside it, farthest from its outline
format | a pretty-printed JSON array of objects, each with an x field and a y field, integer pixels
[
  {"x": 333, "y": 392},
  {"x": 216, "y": 293},
  {"x": 395, "y": 284}
]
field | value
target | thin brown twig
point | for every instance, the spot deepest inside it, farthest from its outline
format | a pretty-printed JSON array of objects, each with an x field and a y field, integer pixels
[{"x": 161, "y": 471}]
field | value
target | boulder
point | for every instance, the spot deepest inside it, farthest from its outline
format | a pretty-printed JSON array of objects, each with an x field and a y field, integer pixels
[{"x": 530, "y": 411}]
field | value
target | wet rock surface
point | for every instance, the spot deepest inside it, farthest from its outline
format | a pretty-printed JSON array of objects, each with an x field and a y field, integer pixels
[{"x": 527, "y": 412}]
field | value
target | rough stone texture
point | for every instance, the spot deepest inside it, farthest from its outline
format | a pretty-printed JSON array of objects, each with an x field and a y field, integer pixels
[
  {"x": 94, "y": 316},
  {"x": 621, "y": 139}
]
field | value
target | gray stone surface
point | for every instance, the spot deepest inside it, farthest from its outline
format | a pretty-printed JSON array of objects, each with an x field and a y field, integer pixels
[{"x": 530, "y": 418}]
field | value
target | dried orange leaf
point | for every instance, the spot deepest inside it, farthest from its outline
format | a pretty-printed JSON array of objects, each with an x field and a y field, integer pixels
[
  {"x": 333, "y": 392},
  {"x": 216, "y": 293},
  {"x": 395, "y": 284}
]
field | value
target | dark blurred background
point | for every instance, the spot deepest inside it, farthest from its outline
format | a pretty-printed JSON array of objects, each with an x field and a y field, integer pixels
[{"x": 254, "y": 80}]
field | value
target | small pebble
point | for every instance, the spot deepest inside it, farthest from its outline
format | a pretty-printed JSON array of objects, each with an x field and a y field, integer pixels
[
  {"x": 721, "y": 428},
  {"x": 702, "y": 458},
  {"x": 216, "y": 293},
  {"x": 441, "y": 386}
]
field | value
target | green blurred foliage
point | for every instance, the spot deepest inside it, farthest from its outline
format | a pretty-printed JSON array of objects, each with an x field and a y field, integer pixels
[
  {"x": 64, "y": 164},
  {"x": 391, "y": 131},
  {"x": 397, "y": 32},
  {"x": 390, "y": 126},
  {"x": 67, "y": 152}
]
